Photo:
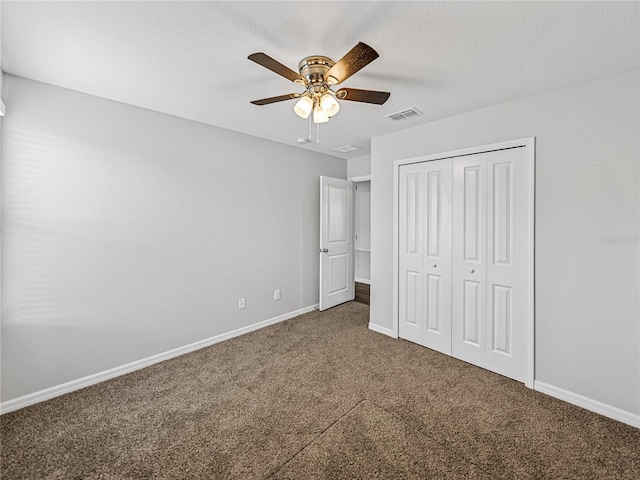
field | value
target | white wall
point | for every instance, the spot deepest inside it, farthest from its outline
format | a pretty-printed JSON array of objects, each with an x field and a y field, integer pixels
[
  {"x": 587, "y": 159},
  {"x": 128, "y": 233},
  {"x": 359, "y": 166}
]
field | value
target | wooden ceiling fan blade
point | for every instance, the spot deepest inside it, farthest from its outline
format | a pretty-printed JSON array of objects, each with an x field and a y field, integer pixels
[
  {"x": 357, "y": 58},
  {"x": 267, "y": 62},
  {"x": 366, "y": 96},
  {"x": 279, "y": 98}
]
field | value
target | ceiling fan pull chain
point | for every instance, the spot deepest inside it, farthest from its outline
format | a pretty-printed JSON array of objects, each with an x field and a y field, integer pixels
[{"x": 317, "y": 133}]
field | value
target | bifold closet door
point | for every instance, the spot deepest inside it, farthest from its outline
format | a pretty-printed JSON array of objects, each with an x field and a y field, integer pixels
[
  {"x": 506, "y": 262},
  {"x": 489, "y": 260},
  {"x": 425, "y": 254},
  {"x": 469, "y": 259},
  {"x": 462, "y": 258}
]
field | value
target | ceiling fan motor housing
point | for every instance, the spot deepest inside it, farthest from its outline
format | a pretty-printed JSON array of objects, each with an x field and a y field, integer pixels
[{"x": 314, "y": 69}]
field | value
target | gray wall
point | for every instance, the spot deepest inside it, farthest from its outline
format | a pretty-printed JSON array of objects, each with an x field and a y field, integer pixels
[
  {"x": 359, "y": 166},
  {"x": 128, "y": 233},
  {"x": 587, "y": 157}
]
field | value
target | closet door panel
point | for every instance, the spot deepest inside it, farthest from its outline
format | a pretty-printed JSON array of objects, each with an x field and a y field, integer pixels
[
  {"x": 469, "y": 289},
  {"x": 506, "y": 261},
  {"x": 437, "y": 266},
  {"x": 411, "y": 252}
]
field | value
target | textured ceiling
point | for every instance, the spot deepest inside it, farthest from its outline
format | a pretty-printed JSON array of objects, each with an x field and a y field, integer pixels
[{"x": 190, "y": 58}]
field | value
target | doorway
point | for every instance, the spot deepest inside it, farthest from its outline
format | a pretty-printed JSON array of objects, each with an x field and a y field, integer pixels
[
  {"x": 345, "y": 240},
  {"x": 362, "y": 235}
]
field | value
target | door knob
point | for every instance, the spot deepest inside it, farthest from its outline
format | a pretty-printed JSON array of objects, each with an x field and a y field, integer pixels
[
  {"x": 435, "y": 265},
  {"x": 324, "y": 250},
  {"x": 471, "y": 270}
]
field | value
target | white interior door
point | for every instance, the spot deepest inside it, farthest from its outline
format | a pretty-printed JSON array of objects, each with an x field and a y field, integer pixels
[
  {"x": 336, "y": 242},
  {"x": 425, "y": 254}
]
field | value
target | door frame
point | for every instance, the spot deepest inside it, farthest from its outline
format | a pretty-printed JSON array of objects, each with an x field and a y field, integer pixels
[
  {"x": 355, "y": 180},
  {"x": 529, "y": 143}
]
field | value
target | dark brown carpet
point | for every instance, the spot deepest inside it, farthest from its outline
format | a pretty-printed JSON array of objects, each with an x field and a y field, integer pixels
[{"x": 318, "y": 396}]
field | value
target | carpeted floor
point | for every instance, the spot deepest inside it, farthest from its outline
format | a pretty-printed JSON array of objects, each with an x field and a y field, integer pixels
[{"x": 318, "y": 396}]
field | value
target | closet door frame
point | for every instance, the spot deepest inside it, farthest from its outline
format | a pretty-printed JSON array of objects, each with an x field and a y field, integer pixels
[{"x": 529, "y": 144}]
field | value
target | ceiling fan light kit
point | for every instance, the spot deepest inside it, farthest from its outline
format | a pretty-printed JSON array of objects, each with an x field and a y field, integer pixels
[
  {"x": 329, "y": 104},
  {"x": 303, "y": 107},
  {"x": 317, "y": 74},
  {"x": 319, "y": 115}
]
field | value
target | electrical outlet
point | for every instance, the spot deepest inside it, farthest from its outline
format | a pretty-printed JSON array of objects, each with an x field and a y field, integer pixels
[
  {"x": 276, "y": 294},
  {"x": 241, "y": 303}
]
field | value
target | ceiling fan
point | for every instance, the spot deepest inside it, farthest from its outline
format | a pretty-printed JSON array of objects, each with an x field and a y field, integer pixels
[{"x": 317, "y": 75}]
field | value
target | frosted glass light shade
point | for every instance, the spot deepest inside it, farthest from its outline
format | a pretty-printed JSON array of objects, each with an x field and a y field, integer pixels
[
  {"x": 329, "y": 104},
  {"x": 319, "y": 115},
  {"x": 303, "y": 107}
]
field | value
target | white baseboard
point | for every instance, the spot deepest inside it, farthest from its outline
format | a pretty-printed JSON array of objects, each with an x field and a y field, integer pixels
[
  {"x": 51, "y": 392},
  {"x": 363, "y": 280},
  {"x": 382, "y": 330},
  {"x": 588, "y": 404}
]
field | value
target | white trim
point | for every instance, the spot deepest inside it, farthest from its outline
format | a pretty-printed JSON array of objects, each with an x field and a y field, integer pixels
[
  {"x": 588, "y": 403},
  {"x": 382, "y": 330},
  {"x": 465, "y": 151},
  {"x": 3, "y": 109},
  {"x": 530, "y": 310},
  {"x": 361, "y": 178},
  {"x": 529, "y": 143},
  {"x": 366, "y": 281},
  {"x": 396, "y": 247},
  {"x": 51, "y": 392}
]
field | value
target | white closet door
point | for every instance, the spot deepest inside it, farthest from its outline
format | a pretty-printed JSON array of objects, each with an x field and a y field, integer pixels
[
  {"x": 411, "y": 252},
  {"x": 469, "y": 259},
  {"x": 425, "y": 254},
  {"x": 506, "y": 257},
  {"x": 437, "y": 267},
  {"x": 462, "y": 257}
]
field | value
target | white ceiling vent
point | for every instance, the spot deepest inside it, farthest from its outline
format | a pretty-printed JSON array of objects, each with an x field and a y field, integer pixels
[
  {"x": 346, "y": 149},
  {"x": 402, "y": 114}
]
